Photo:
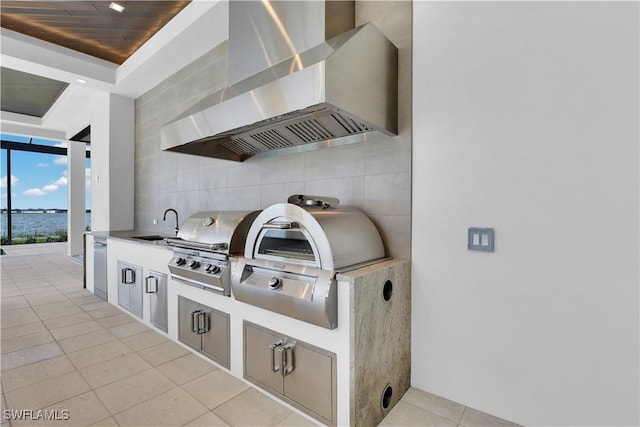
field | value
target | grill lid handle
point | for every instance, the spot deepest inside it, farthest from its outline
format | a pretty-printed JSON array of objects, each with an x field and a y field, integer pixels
[
  {"x": 307, "y": 200},
  {"x": 281, "y": 225}
]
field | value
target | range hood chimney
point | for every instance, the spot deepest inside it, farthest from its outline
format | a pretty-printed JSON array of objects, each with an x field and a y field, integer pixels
[{"x": 302, "y": 77}]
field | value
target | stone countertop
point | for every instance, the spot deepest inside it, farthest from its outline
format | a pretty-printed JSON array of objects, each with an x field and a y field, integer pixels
[
  {"x": 352, "y": 274},
  {"x": 134, "y": 236}
]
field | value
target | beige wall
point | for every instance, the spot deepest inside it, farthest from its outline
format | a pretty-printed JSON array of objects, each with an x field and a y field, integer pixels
[{"x": 374, "y": 177}]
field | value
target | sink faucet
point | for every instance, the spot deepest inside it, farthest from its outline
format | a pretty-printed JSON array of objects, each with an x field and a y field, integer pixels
[{"x": 164, "y": 218}]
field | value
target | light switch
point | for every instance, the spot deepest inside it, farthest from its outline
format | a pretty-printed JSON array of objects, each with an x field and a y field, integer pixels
[{"x": 480, "y": 239}]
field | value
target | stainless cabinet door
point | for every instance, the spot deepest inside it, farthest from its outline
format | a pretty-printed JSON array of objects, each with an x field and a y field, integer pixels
[
  {"x": 130, "y": 287},
  {"x": 156, "y": 286},
  {"x": 311, "y": 382},
  {"x": 135, "y": 293},
  {"x": 100, "y": 269},
  {"x": 215, "y": 343},
  {"x": 123, "y": 288},
  {"x": 185, "y": 324},
  {"x": 257, "y": 358}
]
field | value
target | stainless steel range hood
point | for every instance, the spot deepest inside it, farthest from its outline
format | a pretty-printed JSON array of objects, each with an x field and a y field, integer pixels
[{"x": 322, "y": 90}]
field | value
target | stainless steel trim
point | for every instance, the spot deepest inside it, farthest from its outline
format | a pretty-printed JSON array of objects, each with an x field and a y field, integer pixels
[
  {"x": 195, "y": 245},
  {"x": 190, "y": 282}
]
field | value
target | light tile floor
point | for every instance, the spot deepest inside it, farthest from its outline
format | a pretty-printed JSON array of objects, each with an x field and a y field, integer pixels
[{"x": 64, "y": 349}]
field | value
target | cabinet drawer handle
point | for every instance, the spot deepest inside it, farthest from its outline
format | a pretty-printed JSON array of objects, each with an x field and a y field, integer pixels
[
  {"x": 147, "y": 281},
  {"x": 274, "y": 367}
]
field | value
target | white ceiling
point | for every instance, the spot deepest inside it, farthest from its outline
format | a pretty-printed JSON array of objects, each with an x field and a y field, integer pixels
[{"x": 198, "y": 28}]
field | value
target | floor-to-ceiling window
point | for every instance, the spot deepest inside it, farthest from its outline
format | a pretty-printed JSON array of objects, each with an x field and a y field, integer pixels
[
  {"x": 34, "y": 190},
  {"x": 4, "y": 197}
]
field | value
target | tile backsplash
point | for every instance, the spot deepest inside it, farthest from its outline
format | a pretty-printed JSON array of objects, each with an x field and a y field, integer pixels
[{"x": 373, "y": 176}]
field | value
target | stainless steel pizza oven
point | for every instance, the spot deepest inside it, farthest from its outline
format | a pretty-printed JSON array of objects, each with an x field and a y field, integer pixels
[
  {"x": 293, "y": 252},
  {"x": 203, "y": 246}
]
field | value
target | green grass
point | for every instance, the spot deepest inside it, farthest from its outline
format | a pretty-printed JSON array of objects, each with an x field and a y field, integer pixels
[{"x": 56, "y": 236}]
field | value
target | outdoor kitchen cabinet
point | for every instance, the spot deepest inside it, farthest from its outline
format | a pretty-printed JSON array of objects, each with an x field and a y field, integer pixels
[
  {"x": 204, "y": 329},
  {"x": 155, "y": 284},
  {"x": 299, "y": 373},
  {"x": 130, "y": 287}
]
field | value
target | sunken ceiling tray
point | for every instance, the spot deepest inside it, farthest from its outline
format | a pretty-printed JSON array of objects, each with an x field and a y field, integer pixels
[
  {"x": 28, "y": 94},
  {"x": 90, "y": 26}
]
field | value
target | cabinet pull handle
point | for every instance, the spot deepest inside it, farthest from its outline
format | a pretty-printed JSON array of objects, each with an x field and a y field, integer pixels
[
  {"x": 287, "y": 363},
  {"x": 128, "y": 276},
  {"x": 199, "y": 322},
  {"x": 147, "y": 288},
  {"x": 274, "y": 367},
  {"x": 194, "y": 321},
  {"x": 204, "y": 323}
]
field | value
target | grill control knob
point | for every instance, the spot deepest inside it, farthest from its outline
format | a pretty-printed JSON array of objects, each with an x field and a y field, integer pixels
[
  {"x": 180, "y": 261},
  {"x": 194, "y": 264},
  {"x": 211, "y": 268},
  {"x": 275, "y": 283}
]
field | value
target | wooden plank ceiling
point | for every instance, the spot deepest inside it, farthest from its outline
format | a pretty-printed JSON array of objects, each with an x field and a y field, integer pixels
[{"x": 90, "y": 27}]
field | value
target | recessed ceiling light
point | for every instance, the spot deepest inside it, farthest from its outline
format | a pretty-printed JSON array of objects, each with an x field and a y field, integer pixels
[
  {"x": 81, "y": 81},
  {"x": 117, "y": 7}
]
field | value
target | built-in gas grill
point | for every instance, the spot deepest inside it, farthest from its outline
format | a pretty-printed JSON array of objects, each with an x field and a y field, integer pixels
[
  {"x": 203, "y": 246},
  {"x": 293, "y": 252}
]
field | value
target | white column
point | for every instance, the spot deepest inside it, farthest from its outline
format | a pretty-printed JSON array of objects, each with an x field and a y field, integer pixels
[
  {"x": 75, "y": 193},
  {"x": 112, "y": 162}
]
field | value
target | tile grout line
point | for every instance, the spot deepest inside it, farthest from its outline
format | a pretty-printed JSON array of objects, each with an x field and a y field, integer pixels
[{"x": 462, "y": 415}]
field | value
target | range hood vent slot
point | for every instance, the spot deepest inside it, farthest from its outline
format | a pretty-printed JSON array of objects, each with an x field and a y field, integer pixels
[
  {"x": 240, "y": 146},
  {"x": 271, "y": 139},
  {"x": 310, "y": 131},
  {"x": 350, "y": 126}
]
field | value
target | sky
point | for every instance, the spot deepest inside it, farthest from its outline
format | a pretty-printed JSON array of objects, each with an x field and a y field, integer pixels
[{"x": 38, "y": 180}]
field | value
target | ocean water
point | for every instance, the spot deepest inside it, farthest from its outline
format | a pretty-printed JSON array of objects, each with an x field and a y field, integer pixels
[{"x": 47, "y": 224}]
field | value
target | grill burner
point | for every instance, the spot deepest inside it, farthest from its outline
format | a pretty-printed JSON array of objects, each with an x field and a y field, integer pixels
[
  {"x": 293, "y": 252},
  {"x": 203, "y": 246}
]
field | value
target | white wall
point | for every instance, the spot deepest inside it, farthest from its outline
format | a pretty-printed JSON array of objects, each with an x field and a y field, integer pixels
[{"x": 526, "y": 120}]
